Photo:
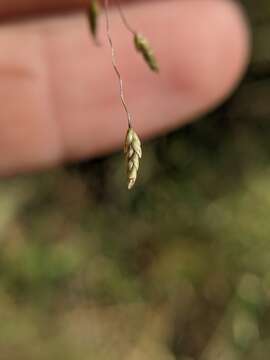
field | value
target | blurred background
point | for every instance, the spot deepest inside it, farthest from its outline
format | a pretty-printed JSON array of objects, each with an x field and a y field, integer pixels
[{"x": 177, "y": 269}]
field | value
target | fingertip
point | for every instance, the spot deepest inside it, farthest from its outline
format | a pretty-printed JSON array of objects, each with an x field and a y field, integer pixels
[
  {"x": 232, "y": 50},
  {"x": 202, "y": 48},
  {"x": 220, "y": 42}
]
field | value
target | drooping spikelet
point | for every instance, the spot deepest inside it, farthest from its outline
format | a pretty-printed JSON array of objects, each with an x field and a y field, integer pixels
[
  {"x": 93, "y": 15},
  {"x": 133, "y": 152},
  {"x": 144, "y": 48}
]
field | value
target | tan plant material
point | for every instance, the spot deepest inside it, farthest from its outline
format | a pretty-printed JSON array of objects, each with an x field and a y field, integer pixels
[
  {"x": 142, "y": 46},
  {"x": 133, "y": 148},
  {"x": 133, "y": 152},
  {"x": 93, "y": 15}
]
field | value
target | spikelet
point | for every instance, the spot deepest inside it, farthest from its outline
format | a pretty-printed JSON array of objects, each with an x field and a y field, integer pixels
[
  {"x": 93, "y": 15},
  {"x": 144, "y": 48},
  {"x": 133, "y": 152}
]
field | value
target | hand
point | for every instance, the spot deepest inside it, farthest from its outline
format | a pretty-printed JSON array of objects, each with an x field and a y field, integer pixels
[{"x": 59, "y": 97}]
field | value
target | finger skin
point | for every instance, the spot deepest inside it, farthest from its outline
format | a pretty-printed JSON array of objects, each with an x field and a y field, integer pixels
[{"x": 59, "y": 97}]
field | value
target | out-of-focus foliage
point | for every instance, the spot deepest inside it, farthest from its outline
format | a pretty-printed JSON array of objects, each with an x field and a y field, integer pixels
[{"x": 177, "y": 269}]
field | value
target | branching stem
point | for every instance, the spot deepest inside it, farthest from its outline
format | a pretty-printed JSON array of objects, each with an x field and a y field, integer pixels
[{"x": 122, "y": 96}]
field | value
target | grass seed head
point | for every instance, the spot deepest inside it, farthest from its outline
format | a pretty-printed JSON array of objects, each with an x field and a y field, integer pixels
[
  {"x": 133, "y": 152},
  {"x": 93, "y": 15},
  {"x": 144, "y": 48}
]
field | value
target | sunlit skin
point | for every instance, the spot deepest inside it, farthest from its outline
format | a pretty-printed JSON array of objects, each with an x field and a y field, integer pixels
[{"x": 59, "y": 98}]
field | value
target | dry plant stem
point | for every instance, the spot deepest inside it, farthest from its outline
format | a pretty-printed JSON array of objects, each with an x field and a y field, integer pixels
[
  {"x": 106, "y": 7},
  {"x": 132, "y": 148},
  {"x": 124, "y": 19}
]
